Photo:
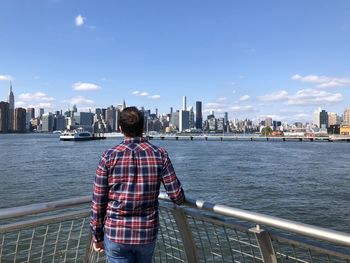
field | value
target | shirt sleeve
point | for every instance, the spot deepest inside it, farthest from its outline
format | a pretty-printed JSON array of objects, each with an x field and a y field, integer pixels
[
  {"x": 170, "y": 181},
  {"x": 99, "y": 199}
]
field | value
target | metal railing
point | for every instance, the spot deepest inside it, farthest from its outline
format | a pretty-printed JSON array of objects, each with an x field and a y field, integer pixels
[{"x": 196, "y": 232}]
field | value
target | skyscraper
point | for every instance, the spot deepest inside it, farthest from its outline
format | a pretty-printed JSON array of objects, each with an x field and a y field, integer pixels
[
  {"x": 31, "y": 112},
  {"x": 19, "y": 123},
  {"x": 11, "y": 112},
  {"x": 346, "y": 118},
  {"x": 4, "y": 113},
  {"x": 199, "y": 117},
  {"x": 184, "y": 103},
  {"x": 323, "y": 119}
]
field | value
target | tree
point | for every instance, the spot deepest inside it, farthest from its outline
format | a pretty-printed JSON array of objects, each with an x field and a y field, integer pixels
[{"x": 266, "y": 131}]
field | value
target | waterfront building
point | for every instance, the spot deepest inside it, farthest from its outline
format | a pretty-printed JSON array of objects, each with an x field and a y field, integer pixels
[
  {"x": 220, "y": 124},
  {"x": 333, "y": 118},
  {"x": 19, "y": 124},
  {"x": 226, "y": 122},
  {"x": 11, "y": 112},
  {"x": 316, "y": 117},
  {"x": 345, "y": 129},
  {"x": 323, "y": 119},
  {"x": 199, "y": 117},
  {"x": 60, "y": 123},
  {"x": 86, "y": 118},
  {"x": 41, "y": 112},
  {"x": 175, "y": 120},
  {"x": 31, "y": 112},
  {"x": 184, "y": 103},
  {"x": 4, "y": 114},
  {"x": 47, "y": 120},
  {"x": 212, "y": 124},
  {"x": 334, "y": 129},
  {"x": 184, "y": 120},
  {"x": 27, "y": 121},
  {"x": 191, "y": 122},
  {"x": 346, "y": 116},
  {"x": 276, "y": 125},
  {"x": 268, "y": 121},
  {"x": 111, "y": 117}
]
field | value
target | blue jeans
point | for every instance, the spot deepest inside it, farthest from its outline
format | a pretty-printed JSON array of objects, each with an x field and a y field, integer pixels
[{"x": 126, "y": 253}]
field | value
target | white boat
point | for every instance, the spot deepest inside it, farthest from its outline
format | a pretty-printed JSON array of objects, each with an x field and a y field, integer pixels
[{"x": 76, "y": 135}]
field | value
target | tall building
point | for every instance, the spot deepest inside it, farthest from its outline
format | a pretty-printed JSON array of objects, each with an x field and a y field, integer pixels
[
  {"x": 316, "y": 117},
  {"x": 4, "y": 114},
  {"x": 323, "y": 119},
  {"x": 346, "y": 117},
  {"x": 184, "y": 120},
  {"x": 47, "y": 122},
  {"x": 19, "y": 124},
  {"x": 199, "y": 117},
  {"x": 333, "y": 118},
  {"x": 31, "y": 112},
  {"x": 184, "y": 103},
  {"x": 41, "y": 112},
  {"x": 11, "y": 112},
  {"x": 111, "y": 117},
  {"x": 268, "y": 121}
]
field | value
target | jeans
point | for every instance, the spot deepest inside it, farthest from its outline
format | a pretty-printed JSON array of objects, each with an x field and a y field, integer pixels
[{"x": 127, "y": 253}]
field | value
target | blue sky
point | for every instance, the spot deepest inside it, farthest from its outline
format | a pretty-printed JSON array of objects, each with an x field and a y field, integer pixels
[{"x": 254, "y": 58}]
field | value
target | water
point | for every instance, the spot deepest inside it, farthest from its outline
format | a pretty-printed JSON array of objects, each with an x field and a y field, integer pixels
[{"x": 304, "y": 181}]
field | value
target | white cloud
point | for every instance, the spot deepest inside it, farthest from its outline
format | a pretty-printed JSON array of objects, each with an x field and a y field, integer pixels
[
  {"x": 314, "y": 96},
  {"x": 222, "y": 99},
  {"x": 38, "y": 96},
  {"x": 79, "y": 20},
  {"x": 322, "y": 81},
  {"x": 247, "y": 108},
  {"x": 79, "y": 100},
  {"x": 23, "y": 104},
  {"x": 85, "y": 86},
  {"x": 275, "y": 96},
  {"x": 154, "y": 97},
  {"x": 6, "y": 77},
  {"x": 146, "y": 94},
  {"x": 244, "y": 98}
]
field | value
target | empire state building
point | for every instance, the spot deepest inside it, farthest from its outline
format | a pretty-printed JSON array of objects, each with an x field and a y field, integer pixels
[{"x": 11, "y": 101}]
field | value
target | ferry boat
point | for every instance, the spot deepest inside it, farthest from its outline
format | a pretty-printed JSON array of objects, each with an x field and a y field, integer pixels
[{"x": 77, "y": 135}]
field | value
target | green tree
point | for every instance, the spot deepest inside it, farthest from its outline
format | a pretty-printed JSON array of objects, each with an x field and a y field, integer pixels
[{"x": 266, "y": 131}]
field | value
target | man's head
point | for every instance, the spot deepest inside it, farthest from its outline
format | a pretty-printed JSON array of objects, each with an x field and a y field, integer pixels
[{"x": 131, "y": 122}]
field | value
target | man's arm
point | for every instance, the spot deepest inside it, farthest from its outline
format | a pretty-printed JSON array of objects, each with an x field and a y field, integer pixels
[
  {"x": 170, "y": 181},
  {"x": 99, "y": 200}
]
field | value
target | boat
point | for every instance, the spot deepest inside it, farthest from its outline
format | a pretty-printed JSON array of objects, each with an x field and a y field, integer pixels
[{"x": 77, "y": 135}]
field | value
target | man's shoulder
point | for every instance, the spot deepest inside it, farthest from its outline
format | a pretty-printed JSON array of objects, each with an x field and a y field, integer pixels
[
  {"x": 115, "y": 149},
  {"x": 147, "y": 145}
]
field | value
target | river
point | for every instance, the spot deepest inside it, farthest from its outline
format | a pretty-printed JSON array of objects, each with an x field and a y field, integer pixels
[{"x": 304, "y": 181}]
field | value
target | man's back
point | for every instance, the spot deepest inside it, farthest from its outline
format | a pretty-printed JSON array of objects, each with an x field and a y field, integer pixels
[
  {"x": 135, "y": 171},
  {"x": 124, "y": 211}
]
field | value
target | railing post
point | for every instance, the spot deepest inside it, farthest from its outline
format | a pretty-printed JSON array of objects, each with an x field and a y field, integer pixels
[
  {"x": 265, "y": 245},
  {"x": 186, "y": 235}
]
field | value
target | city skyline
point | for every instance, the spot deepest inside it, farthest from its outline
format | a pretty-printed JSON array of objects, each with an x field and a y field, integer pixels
[{"x": 252, "y": 60}]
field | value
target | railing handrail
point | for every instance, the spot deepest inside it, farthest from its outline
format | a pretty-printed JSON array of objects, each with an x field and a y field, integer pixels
[
  {"x": 26, "y": 210},
  {"x": 257, "y": 218}
]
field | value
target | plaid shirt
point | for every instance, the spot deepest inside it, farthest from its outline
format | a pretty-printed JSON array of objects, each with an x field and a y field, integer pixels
[{"x": 125, "y": 197}]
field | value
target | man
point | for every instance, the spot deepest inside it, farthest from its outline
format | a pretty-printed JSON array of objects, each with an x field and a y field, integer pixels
[{"x": 124, "y": 212}]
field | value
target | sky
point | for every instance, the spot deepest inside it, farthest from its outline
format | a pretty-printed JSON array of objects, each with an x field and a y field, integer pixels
[{"x": 250, "y": 58}]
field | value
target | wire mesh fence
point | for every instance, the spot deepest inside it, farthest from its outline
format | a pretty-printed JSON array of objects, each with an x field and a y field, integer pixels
[{"x": 65, "y": 237}]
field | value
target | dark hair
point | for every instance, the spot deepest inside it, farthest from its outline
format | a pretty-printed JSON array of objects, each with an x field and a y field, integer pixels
[{"x": 131, "y": 122}]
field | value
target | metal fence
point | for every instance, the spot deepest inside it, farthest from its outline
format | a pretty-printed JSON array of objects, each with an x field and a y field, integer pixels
[{"x": 196, "y": 232}]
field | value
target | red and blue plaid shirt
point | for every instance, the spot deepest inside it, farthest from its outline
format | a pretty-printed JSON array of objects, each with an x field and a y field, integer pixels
[{"x": 126, "y": 188}]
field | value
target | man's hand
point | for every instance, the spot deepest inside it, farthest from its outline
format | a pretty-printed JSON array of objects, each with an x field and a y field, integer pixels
[{"x": 98, "y": 246}]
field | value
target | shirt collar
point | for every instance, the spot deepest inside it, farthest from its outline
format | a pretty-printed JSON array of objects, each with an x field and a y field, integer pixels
[{"x": 128, "y": 140}]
